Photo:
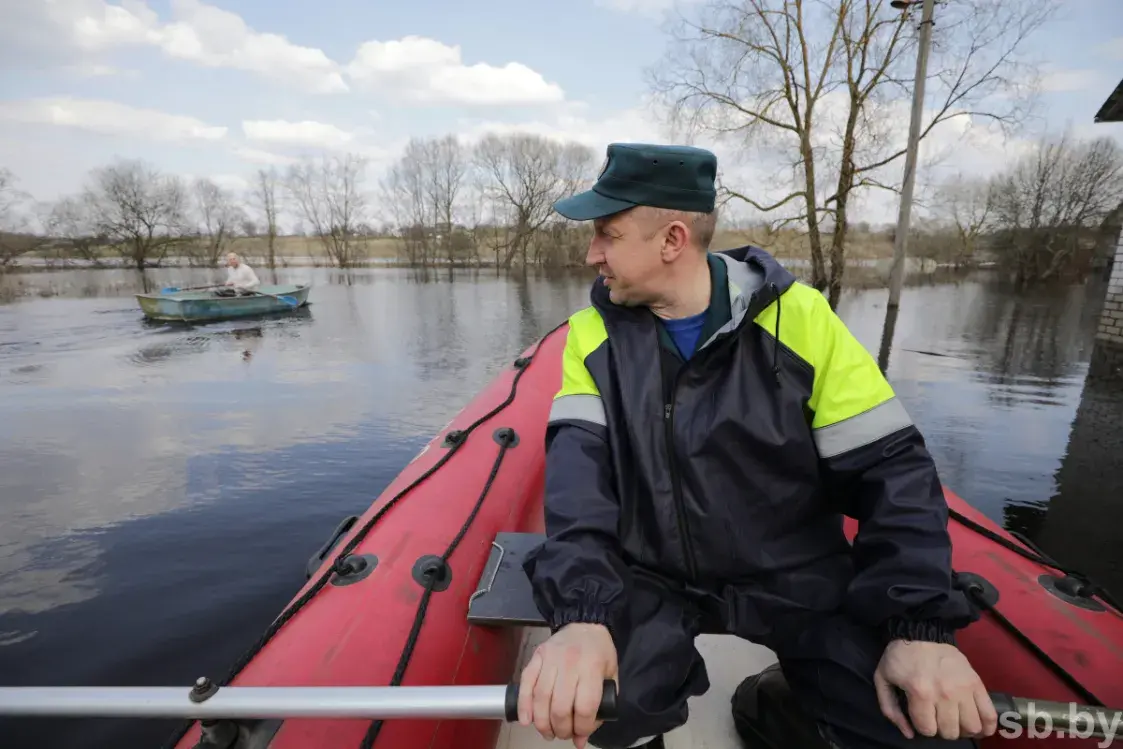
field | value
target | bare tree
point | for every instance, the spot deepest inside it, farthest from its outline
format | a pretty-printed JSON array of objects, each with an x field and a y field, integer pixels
[
  {"x": 219, "y": 217},
  {"x": 967, "y": 205},
  {"x": 448, "y": 165},
  {"x": 523, "y": 176},
  {"x": 814, "y": 82},
  {"x": 264, "y": 200},
  {"x": 16, "y": 237},
  {"x": 140, "y": 210},
  {"x": 406, "y": 195},
  {"x": 424, "y": 191},
  {"x": 71, "y": 222},
  {"x": 329, "y": 195},
  {"x": 1051, "y": 203}
]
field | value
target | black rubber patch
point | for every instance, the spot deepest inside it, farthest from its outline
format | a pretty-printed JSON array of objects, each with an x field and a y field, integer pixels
[
  {"x": 432, "y": 571},
  {"x": 506, "y": 435},
  {"x": 978, "y": 588},
  {"x": 1071, "y": 590},
  {"x": 353, "y": 568},
  {"x": 454, "y": 438}
]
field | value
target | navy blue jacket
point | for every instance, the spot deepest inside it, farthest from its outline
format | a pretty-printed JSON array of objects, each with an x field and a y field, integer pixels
[{"x": 731, "y": 472}]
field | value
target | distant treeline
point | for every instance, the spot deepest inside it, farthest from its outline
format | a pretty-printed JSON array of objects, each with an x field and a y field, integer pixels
[{"x": 1045, "y": 216}]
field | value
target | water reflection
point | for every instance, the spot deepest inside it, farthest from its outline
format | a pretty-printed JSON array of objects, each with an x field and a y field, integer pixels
[{"x": 147, "y": 467}]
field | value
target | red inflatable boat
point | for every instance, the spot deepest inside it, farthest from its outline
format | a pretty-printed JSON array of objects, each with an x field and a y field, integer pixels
[{"x": 410, "y": 593}]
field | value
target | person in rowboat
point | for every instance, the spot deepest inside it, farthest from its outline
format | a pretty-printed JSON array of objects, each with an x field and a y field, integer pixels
[
  {"x": 716, "y": 420},
  {"x": 239, "y": 275}
]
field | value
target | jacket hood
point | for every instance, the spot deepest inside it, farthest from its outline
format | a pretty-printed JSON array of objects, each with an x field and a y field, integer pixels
[{"x": 752, "y": 270}]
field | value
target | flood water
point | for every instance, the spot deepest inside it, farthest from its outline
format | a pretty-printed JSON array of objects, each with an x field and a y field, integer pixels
[{"x": 161, "y": 487}]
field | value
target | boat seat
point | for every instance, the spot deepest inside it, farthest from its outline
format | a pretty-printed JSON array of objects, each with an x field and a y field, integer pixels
[{"x": 503, "y": 597}]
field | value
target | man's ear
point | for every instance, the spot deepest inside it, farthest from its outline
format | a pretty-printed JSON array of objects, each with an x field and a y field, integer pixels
[{"x": 676, "y": 240}]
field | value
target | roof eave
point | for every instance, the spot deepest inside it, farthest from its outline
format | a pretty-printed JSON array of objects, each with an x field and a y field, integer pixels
[{"x": 1112, "y": 109}]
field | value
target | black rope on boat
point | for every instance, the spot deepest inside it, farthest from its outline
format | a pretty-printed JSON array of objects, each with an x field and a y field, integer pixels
[
  {"x": 1039, "y": 557},
  {"x": 338, "y": 564},
  {"x": 1033, "y": 554},
  {"x": 507, "y": 437},
  {"x": 1073, "y": 683}
]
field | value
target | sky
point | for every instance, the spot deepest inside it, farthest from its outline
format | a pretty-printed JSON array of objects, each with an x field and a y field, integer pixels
[{"x": 220, "y": 88}]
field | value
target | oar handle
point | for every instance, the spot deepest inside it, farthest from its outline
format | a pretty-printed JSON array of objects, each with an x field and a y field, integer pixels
[
  {"x": 209, "y": 701},
  {"x": 608, "y": 709},
  {"x": 1068, "y": 718}
]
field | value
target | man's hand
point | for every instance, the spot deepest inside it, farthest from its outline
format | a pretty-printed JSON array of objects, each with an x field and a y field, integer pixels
[
  {"x": 945, "y": 695},
  {"x": 561, "y": 686}
]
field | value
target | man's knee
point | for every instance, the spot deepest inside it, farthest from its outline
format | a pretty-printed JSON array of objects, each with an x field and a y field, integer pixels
[
  {"x": 648, "y": 707},
  {"x": 767, "y": 713},
  {"x": 660, "y": 669}
]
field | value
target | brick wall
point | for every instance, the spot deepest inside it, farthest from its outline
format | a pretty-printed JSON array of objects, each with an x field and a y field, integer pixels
[
  {"x": 1111, "y": 319},
  {"x": 1107, "y": 355}
]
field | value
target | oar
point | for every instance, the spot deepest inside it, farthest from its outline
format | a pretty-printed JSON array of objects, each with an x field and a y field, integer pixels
[
  {"x": 1063, "y": 719},
  {"x": 289, "y": 300},
  {"x": 173, "y": 289},
  {"x": 205, "y": 701}
]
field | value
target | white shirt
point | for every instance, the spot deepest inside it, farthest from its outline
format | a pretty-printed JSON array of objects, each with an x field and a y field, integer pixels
[{"x": 242, "y": 277}]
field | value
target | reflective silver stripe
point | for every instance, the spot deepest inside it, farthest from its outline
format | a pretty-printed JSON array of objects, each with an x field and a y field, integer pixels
[
  {"x": 585, "y": 407},
  {"x": 868, "y": 426}
]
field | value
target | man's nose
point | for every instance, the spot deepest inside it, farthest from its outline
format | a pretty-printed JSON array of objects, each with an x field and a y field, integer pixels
[{"x": 595, "y": 256}]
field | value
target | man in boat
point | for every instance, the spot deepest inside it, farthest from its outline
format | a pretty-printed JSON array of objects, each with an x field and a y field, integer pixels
[
  {"x": 715, "y": 421},
  {"x": 239, "y": 275}
]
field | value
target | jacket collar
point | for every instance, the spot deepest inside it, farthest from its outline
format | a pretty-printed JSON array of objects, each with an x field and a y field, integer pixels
[{"x": 752, "y": 279}]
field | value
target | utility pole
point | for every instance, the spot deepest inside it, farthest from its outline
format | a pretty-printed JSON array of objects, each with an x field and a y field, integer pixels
[{"x": 900, "y": 241}]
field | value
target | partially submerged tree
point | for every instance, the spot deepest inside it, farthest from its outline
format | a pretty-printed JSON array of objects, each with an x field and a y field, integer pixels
[
  {"x": 219, "y": 218},
  {"x": 263, "y": 197},
  {"x": 814, "y": 89},
  {"x": 1049, "y": 206},
  {"x": 71, "y": 222},
  {"x": 329, "y": 194},
  {"x": 523, "y": 176},
  {"x": 967, "y": 205},
  {"x": 16, "y": 237},
  {"x": 139, "y": 210},
  {"x": 424, "y": 191}
]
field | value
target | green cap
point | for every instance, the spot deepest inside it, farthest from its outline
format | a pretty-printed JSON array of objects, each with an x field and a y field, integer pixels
[{"x": 676, "y": 177}]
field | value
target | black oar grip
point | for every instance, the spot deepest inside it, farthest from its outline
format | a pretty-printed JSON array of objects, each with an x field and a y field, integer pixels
[
  {"x": 1003, "y": 703},
  {"x": 606, "y": 711}
]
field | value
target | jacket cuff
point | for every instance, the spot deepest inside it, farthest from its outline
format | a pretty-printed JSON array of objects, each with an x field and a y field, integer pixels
[
  {"x": 585, "y": 614},
  {"x": 924, "y": 630}
]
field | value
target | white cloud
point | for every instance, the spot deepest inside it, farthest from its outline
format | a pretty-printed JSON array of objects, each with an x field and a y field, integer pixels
[
  {"x": 421, "y": 70},
  {"x": 110, "y": 118},
  {"x": 100, "y": 70},
  {"x": 304, "y": 133},
  {"x": 429, "y": 71},
  {"x": 199, "y": 33}
]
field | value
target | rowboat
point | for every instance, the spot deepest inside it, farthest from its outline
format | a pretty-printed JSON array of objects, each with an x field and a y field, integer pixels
[
  {"x": 206, "y": 305},
  {"x": 414, "y": 613}
]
